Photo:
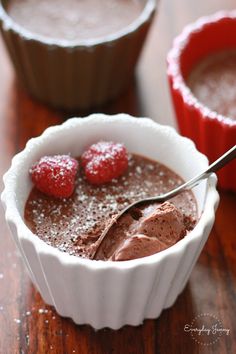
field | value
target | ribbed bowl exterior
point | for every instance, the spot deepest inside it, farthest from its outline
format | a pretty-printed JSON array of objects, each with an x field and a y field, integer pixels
[
  {"x": 79, "y": 76},
  {"x": 212, "y": 133},
  {"x": 109, "y": 294},
  {"x": 108, "y": 297}
]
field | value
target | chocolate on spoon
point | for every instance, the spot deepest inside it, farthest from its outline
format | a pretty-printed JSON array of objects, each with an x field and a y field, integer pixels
[{"x": 133, "y": 208}]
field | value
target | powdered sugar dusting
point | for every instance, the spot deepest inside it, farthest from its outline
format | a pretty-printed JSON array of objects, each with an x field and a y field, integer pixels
[
  {"x": 104, "y": 161},
  {"x": 54, "y": 175},
  {"x": 74, "y": 224}
]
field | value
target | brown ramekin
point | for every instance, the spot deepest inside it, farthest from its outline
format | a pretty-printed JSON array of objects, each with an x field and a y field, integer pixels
[
  {"x": 78, "y": 74},
  {"x": 213, "y": 133}
]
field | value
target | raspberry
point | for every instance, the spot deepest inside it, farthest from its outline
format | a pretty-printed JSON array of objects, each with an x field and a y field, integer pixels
[
  {"x": 55, "y": 175},
  {"x": 104, "y": 161}
]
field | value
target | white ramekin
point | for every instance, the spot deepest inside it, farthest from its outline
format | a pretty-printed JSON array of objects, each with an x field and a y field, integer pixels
[{"x": 109, "y": 294}]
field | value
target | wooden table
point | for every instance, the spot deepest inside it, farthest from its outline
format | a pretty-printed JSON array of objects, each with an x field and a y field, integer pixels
[{"x": 27, "y": 325}]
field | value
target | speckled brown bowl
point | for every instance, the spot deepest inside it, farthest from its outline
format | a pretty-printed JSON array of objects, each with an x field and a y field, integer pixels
[{"x": 78, "y": 74}]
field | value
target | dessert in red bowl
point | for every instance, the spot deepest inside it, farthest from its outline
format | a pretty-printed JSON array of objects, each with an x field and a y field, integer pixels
[{"x": 202, "y": 75}]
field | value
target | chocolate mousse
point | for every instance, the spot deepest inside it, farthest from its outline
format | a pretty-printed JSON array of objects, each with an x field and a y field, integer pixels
[
  {"x": 213, "y": 82},
  {"x": 144, "y": 232},
  {"x": 72, "y": 19},
  {"x": 74, "y": 224}
]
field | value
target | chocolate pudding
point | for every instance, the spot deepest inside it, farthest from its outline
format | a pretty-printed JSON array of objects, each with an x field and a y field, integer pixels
[
  {"x": 74, "y": 19},
  {"x": 74, "y": 224},
  {"x": 213, "y": 82},
  {"x": 145, "y": 231}
]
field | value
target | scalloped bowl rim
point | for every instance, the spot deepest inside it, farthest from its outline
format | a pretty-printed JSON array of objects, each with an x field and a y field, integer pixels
[
  {"x": 13, "y": 216},
  {"x": 9, "y": 23}
]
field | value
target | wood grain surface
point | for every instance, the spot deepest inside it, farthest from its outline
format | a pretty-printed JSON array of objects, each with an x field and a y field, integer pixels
[{"x": 27, "y": 324}]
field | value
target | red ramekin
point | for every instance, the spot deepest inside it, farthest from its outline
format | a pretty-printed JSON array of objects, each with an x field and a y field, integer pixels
[{"x": 212, "y": 133}]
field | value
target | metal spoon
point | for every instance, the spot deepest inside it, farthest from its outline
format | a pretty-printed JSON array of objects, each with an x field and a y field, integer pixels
[{"x": 215, "y": 166}]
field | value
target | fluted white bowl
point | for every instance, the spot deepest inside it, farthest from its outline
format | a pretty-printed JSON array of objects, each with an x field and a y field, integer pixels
[{"x": 109, "y": 294}]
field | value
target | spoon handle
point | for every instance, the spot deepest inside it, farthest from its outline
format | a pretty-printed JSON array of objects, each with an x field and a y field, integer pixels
[
  {"x": 223, "y": 160},
  {"x": 215, "y": 166}
]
